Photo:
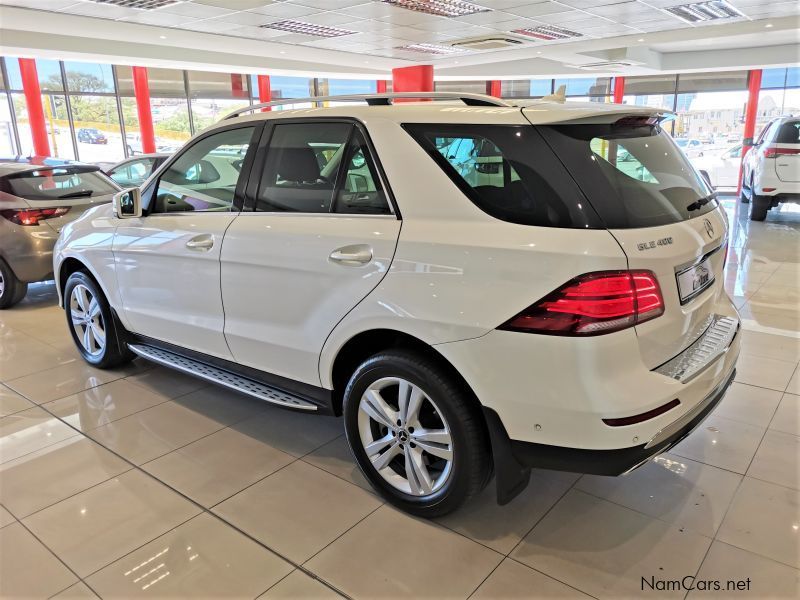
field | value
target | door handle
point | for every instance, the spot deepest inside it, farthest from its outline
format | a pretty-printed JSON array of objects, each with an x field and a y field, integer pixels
[
  {"x": 352, "y": 256},
  {"x": 201, "y": 242}
]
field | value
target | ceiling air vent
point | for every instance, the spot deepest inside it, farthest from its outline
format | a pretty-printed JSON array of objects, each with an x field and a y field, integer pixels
[
  {"x": 307, "y": 28},
  {"x": 704, "y": 11},
  {"x": 141, "y": 4},
  {"x": 547, "y": 33},
  {"x": 440, "y": 8},
  {"x": 606, "y": 65},
  {"x": 430, "y": 49},
  {"x": 497, "y": 42}
]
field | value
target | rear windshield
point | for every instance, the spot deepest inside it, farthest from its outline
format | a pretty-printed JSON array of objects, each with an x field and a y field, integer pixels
[
  {"x": 789, "y": 133},
  {"x": 55, "y": 183},
  {"x": 634, "y": 176},
  {"x": 509, "y": 172}
]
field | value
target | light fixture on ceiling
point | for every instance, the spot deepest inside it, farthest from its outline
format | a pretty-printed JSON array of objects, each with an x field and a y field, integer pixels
[
  {"x": 162, "y": 37},
  {"x": 640, "y": 40},
  {"x": 307, "y": 28},
  {"x": 430, "y": 48},
  {"x": 704, "y": 11},
  {"x": 547, "y": 33},
  {"x": 140, "y": 4},
  {"x": 768, "y": 25},
  {"x": 440, "y": 8}
]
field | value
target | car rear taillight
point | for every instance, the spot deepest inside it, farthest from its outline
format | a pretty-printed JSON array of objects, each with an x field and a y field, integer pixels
[
  {"x": 593, "y": 304},
  {"x": 32, "y": 216},
  {"x": 773, "y": 152}
]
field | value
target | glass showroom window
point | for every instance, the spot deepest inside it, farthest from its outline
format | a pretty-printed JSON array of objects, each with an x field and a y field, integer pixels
[
  {"x": 168, "y": 106},
  {"x": 95, "y": 115},
  {"x": 779, "y": 96},
  {"x": 8, "y": 142},
  {"x": 213, "y": 95},
  {"x": 586, "y": 87},
  {"x": 286, "y": 87}
]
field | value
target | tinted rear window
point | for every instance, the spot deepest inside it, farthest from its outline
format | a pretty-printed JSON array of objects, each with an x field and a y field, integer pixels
[
  {"x": 634, "y": 176},
  {"x": 789, "y": 133},
  {"x": 55, "y": 183},
  {"x": 508, "y": 172}
]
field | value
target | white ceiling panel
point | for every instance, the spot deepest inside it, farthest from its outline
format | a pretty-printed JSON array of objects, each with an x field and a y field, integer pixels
[
  {"x": 40, "y": 4},
  {"x": 236, "y": 4},
  {"x": 198, "y": 11},
  {"x": 284, "y": 10},
  {"x": 538, "y": 9}
]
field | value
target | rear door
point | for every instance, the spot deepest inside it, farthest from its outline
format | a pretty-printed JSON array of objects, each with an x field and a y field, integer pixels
[
  {"x": 786, "y": 149},
  {"x": 319, "y": 235},
  {"x": 662, "y": 213}
]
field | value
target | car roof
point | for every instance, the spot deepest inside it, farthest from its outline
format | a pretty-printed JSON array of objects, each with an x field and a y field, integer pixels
[
  {"x": 537, "y": 112},
  {"x": 19, "y": 164}
]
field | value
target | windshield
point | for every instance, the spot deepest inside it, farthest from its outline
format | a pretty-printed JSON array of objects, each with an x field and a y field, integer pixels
[
  {"x": 57, "y": 183},
  {"x": 633, "y": 175}
]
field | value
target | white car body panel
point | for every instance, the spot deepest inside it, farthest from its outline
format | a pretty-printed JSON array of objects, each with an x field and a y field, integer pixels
[
  {"x": 282, "y": 293},
  {"x": 779, "y": 174},
  {"x": 170, "y": 291}
]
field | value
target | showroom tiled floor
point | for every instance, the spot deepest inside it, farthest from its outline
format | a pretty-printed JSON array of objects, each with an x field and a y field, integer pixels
[{"x": 144, "y": 482}]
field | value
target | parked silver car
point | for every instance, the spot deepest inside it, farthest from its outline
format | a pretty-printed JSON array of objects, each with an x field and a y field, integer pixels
[
  {"x": 134, "y": 171},
  {"x": 37, "y": 198}
]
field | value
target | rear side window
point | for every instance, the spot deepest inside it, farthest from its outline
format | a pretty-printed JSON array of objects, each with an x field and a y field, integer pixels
[
  {"x": 789, "y": 133},
  {"x": 320, "y": 168},
  {"x": 508, "y": 172},
  {"x": 53, "y": 183},
  {"x": 633, "y": 175}
]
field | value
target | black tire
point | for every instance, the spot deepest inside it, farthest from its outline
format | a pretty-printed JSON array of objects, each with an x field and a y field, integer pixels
[
  {"x": 114, "y": 351},
  {"x": 759, "y": 207},
  {"x": 12, "y": 290},
  {"x": 470, "y": 467}
]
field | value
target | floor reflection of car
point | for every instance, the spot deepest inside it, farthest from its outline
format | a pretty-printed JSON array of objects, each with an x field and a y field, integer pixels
[
  {"x": 132, "y": 172},
  {"x": 722, "y": 166},
  {"x": 37, "y": 198},
  {"x": 691, "y": 146},
  {"x": 90, "y": 135}
]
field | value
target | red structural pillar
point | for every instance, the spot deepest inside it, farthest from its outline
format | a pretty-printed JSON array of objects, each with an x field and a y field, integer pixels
[
  {"x": 619, "y": 89},
  {"x": 413, "y": 79},
  {"x": 141, "y": 89},
  {"x": 237, "y": 86},
  {"x": 264, "y": 90},
  {"x": 750, "y": 114},
  {"x": 33, "y": 99},
  {"x": 381, "y": 86},
  {"x": 494, "y": 88}
]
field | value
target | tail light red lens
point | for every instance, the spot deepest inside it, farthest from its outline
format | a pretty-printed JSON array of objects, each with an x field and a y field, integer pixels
[
  {"x": 593, "y": 304},
  {"x": 32, "y": 216},
  {"x": 773, "y": 152}
]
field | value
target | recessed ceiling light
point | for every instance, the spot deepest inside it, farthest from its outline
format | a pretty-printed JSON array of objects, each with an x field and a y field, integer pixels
[
  {"x": 430, "y": 48},
  {"x": 141, "y": 4},
  {"x": 163, "y": 37},
  {"x": 441, "y": 8},
  {"x": 640, "y": 40},
  {"x": 307, "y": 28},
  {"x": 547, "y": 32},
  {"x": 704, "y": 11},
  {"x": 768, "y": 25}
]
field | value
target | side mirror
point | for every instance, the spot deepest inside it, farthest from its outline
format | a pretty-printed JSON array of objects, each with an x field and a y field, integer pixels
[
  {"x": 128, "y": 203},
  {"x": 707, "y": 177}
]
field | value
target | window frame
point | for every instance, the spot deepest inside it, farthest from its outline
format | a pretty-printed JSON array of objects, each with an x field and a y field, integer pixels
[
  {"x": 260, "y": 161},
  {"x": 241, "y": 185}
]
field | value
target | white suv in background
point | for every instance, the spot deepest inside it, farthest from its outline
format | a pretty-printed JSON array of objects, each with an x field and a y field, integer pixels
[
  {"x": 771, "y": 169},
  {"x": 550, "y": 297}
]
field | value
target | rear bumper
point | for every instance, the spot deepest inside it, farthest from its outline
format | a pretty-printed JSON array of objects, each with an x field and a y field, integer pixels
[{"x": 29, "y": 253}]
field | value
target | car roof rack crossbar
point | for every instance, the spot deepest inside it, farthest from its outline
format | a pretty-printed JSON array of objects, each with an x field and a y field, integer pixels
[{"x": 378, "y": 100}]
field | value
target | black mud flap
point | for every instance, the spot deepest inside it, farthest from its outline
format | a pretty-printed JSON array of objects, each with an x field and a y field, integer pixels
[{"x": 510, "y": 476}]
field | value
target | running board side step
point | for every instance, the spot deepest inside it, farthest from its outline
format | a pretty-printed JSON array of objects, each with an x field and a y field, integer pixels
[{"x": 221, "y": 377}]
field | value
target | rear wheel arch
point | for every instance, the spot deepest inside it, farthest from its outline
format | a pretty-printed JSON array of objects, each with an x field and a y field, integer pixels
[{"x": 368, "y": 343}]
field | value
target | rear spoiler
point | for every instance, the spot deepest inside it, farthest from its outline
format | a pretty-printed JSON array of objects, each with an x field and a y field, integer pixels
[{"x": 550, "y": 112}]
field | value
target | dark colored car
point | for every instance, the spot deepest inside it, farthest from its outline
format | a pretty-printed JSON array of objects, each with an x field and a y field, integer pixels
[{"x": 90, "y": 135}]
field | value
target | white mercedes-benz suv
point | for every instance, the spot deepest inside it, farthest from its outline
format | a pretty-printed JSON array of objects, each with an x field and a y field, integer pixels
[{"x": 476, "y": 287}]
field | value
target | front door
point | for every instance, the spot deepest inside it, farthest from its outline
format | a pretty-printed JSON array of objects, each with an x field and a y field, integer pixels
[
  {"x": 168, "y": 261},
  {"x": 320, "y": 237}
]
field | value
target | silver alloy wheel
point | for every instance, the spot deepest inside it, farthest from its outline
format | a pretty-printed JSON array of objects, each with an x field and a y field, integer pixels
[
  {"x": 87, "y": 320},
  {"x": 2, "y": 285},
  {"x": 412, "y": 457}
]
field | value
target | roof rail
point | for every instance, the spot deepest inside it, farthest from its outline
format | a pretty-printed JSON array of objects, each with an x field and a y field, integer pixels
[{"x": 379, "y": 100}]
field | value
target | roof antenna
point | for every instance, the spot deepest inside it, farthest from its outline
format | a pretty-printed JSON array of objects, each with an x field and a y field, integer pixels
[{"x": 560, "y": 96}]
